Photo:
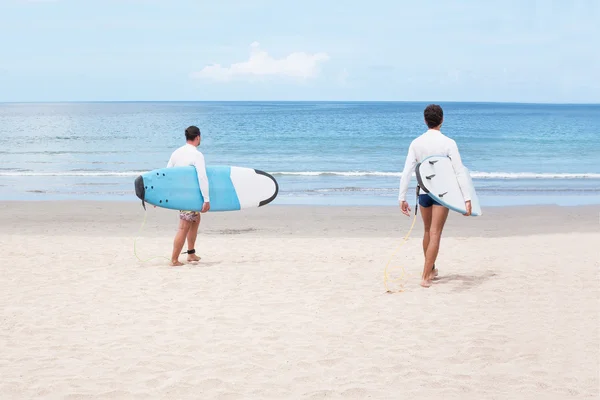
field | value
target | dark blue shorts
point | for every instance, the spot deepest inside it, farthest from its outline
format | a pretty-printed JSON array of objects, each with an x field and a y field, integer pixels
[{"x": 425, "y": 201}]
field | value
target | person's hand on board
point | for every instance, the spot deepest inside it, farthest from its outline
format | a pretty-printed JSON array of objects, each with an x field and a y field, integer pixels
[
  {"x": 205, "y": 207},
  {"x": 468, "y": 207},
  {"x": 405, "y": 208}
]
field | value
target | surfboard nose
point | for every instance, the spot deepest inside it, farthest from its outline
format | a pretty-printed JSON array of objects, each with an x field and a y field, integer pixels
[{"x": 140, "y": 190}]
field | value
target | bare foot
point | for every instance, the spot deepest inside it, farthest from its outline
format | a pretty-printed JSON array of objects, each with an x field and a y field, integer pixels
[
  {"x": 426, "y": 283},
  {"x": 193, "y": 257},
  {"x": 176, "y": 263},
  {"x": 434, "y": 273}
]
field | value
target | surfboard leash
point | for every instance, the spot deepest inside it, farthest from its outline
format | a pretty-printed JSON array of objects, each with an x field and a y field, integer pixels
[
  {"x": 400, "y": 280},
  {"x": 136, "y": 238}
]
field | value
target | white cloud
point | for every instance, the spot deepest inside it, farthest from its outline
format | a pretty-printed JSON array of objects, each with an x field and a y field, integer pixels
[{"x": 298, "y": 65}]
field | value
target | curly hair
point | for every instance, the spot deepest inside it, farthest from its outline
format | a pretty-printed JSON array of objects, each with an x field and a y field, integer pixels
[{"x": 434, "y": 115}]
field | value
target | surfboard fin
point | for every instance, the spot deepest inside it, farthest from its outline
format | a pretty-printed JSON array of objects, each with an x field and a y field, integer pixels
[
  {"x": 433, "y": 162},
  {"x": 442, "y": 195},
  {"x": 270, "y": 199},
  {"x": 430, "y": 176},
  {"x": 140, "y": 190}
]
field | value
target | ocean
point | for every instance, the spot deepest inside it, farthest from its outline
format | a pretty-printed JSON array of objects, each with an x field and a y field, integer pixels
[{"x": 326, "y": 153}]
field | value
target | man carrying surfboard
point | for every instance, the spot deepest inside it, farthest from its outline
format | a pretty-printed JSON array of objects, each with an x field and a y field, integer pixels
[
  {"x": 434, "y": 215},
  {"x": 189, "y": 221}
]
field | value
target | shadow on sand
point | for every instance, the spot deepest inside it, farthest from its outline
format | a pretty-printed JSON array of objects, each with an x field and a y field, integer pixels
[
  {"x": 466, "y": 281},
  {"x": 199, "y": 264},
  {"x": 186, "y": 264}
]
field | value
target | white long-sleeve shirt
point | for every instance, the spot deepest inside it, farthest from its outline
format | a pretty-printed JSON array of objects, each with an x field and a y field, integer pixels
[
  {"x": 188, "y": 155},
  {"x": 432, "y": 143}
]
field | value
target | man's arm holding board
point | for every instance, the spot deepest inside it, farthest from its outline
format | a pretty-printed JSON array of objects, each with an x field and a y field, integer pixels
[
  {"x": 203, "y": 181},
  {"x": 461, "y": 175}
]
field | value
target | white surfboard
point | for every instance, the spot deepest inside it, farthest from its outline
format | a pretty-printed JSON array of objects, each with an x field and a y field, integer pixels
[{"x": 437, "y": 178}]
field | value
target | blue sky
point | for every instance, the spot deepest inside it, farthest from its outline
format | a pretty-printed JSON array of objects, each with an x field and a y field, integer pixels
[{"x": 88, "y": 50}]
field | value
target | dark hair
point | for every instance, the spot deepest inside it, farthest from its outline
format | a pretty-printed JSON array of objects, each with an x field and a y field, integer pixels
[
  {"x": 433, "y": 115},
  {"x": 192, "y": 132}
]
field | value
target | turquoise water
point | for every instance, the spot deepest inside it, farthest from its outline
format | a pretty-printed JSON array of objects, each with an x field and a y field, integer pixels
[{"x": 320, "y": 152}]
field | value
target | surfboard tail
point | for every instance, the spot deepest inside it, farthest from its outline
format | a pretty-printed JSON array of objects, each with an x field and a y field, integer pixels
[{"x": 140, "y": 190}]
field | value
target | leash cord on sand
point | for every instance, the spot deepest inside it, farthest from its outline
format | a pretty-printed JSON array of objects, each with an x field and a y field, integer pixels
[
  {"x": 135, "y": 240},
  {"x": 386, "y": 277},
  {"x": 403, "y": 273}
]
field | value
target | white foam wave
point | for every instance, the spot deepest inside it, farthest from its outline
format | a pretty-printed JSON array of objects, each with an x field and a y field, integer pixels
[
  {"x": 71, "y": 173},
  {"x": 474, "y": 174},
  {"x": 338, "y": 173},
  {"x": 533, "y": 175}
]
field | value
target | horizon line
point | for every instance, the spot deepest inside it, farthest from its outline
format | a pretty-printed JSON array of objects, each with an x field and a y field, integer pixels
[{"x": 302, "y": 101}]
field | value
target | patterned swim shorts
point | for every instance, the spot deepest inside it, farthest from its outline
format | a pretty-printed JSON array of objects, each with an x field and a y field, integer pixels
[{"x": 191, "y": 216}]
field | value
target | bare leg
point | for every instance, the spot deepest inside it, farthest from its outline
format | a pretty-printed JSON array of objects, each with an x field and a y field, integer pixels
[
  {"x": 179, "y": 241},
  {"x": 426, "y": 216},
  {"x": 439, "y": 215},
  {"x": 191, "y": 239}
]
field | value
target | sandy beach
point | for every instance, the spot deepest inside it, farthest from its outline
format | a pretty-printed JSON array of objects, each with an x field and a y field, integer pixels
[{"x": 289, "y": 302}]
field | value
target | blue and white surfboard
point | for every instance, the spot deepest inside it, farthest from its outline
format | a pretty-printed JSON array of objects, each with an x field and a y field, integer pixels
[{"x": 230, "y": 188}]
